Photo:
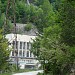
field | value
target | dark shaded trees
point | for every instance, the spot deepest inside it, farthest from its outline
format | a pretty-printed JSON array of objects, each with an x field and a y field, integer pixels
[{"x": 68, "y": 22}]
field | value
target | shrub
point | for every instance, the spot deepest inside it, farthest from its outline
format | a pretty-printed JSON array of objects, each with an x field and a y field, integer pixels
[{"x": 28, "y": 27}]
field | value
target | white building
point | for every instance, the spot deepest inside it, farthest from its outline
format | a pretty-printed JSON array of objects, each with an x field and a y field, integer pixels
[{"x": 26, "y": 59}]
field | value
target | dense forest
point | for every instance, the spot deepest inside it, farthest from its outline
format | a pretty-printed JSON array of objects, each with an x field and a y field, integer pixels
[
  {"x": 37, "y": 12},
  {"x": 55, "y": 21}
]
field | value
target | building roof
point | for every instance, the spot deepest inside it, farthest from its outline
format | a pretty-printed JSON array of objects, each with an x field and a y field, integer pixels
[{"x": 20, "y": 28}]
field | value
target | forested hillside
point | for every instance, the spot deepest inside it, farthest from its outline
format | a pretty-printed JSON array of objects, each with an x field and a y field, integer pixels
[
  {"x": 37, "y": 12},
  {"x": 55, "y": 21}
]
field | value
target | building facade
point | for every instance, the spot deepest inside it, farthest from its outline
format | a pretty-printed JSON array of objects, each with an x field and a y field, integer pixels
[{"x": 26, "y": 59}]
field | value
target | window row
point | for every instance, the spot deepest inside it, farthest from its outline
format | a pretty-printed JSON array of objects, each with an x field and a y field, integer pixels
[
  {"x": 28, "y": 61},
  {"x": 20, "y": 54},
  {"x": 21, "y": 45}
]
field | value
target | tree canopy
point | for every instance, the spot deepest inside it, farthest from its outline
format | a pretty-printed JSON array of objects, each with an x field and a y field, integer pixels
[{"x": 55, "y": 46}]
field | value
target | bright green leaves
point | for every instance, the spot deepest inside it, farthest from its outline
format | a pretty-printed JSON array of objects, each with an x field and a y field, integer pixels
[{"x": 4, "y": 51}]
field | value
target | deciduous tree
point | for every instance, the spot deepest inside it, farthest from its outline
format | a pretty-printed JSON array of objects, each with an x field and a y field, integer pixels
[{"x": 4, "y": 52}]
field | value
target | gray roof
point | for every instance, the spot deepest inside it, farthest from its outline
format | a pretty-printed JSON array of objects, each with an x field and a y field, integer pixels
[{"x": 20, "y": 29}]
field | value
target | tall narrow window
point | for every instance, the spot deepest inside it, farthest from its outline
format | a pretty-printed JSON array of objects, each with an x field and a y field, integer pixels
[
  {"x": 23, "y": 53},
  {"x": 30, "y": 54},
  {"x": 28, "y": 45},
  {"x": 15, "y": 44},
  {"x": 12, "y": 53},
  {"x": 20, "y": 45},
  {"x": 27, "y": 53},
  {"x": 24, "y": 43},
  {"x": 20, "y": 53}
]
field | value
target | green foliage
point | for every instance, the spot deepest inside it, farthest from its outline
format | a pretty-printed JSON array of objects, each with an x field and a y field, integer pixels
[
  {"x": 55, "y": 20},
  {"x": 20, "y": 12},
  {"x": 5, "y": 74},
  {"x": 8, "y": 26},
  {"x": 55, "y": 47},
  {"x": 39, "y": 74},
  {"x": 28, "y": 27},
  {"x": 68, "y": 22},
  {"x": 48, "y": 16},
  {"x": 40, "y": 14},
  {"x": 54, "y": 55},
  {"x": 4, "y": 52},
  {"x": 2, "y": 18},
  {"x": 27, "y": 13},
  {"x": 3, "y": 4}
]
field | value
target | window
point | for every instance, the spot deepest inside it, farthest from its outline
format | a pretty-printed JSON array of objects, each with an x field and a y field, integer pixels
[
  {"x": 20, "y": 45},
  {"x": 15, "y": 44},
  {"x": 24, "y": 43},
  {"x": 12, "y": 53},
  {"x": 30, "y": 54},
  {"x": 23, "y": 53},
  {"x": 20, "y": 53},
  {"x": 27, "y": 45},
  {"x": 27, "y": 53}
]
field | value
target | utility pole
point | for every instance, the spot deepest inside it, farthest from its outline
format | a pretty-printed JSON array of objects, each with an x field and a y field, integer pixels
[{"x": 15, "y": 32}]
